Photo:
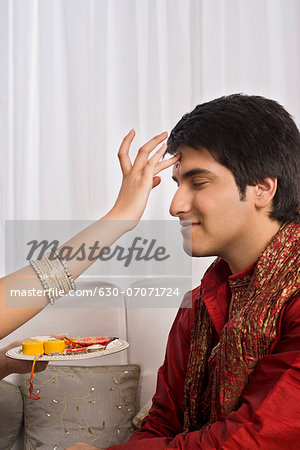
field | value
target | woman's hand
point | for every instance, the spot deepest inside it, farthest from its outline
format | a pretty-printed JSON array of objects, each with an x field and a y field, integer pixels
[
  {"x": 10, "y": 365},
  {"x": 140, "y": 177}
]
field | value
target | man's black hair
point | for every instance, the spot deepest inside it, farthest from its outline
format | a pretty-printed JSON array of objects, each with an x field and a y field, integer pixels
[{"x": 252, "y": 136}]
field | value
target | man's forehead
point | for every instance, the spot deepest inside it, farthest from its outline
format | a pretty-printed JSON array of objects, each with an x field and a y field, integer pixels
[
  {"x": 187, "y": 155},
  {"x": 191, "y": 158},
  {"x": 190, "y": 165}
]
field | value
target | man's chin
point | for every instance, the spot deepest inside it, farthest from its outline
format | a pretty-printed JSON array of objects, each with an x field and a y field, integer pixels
[
  {"x": 195, "y": 252},
  {"x": 189, "y": 250}
]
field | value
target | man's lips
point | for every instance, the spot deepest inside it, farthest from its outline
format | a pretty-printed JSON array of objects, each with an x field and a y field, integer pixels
[{"x": 186, "y": 225}]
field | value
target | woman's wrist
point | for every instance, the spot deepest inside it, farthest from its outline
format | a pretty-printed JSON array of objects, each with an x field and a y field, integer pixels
[{"x": 126, "y": 222}]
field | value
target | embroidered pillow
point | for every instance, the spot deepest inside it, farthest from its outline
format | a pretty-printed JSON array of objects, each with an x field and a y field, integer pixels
[{"x": 87, "y": 404}]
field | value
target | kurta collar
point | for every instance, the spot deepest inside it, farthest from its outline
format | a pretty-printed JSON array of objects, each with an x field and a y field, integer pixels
[{"x": 217, "y": 285}]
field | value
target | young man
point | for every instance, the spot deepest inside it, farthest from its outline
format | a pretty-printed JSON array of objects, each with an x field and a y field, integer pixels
[{"x": 231, "y": 375}]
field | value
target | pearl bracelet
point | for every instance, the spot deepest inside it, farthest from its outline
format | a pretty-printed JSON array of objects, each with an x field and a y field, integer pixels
[{"x": 54, "y": 275}]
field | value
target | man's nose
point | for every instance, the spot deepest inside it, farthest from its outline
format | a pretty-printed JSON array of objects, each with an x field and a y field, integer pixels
[{"x": 180, "y": 204}]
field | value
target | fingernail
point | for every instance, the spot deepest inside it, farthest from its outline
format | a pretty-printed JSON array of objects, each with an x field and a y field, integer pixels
[
  {"x": 131, "y": 131},
  {"x": 164, "y": 134}
]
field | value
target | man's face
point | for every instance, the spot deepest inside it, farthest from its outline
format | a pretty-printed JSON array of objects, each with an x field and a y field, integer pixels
[{"x": 208, "y": 199}]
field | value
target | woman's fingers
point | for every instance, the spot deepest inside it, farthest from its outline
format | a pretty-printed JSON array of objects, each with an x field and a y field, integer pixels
[
  {"x": 142, "y": 160},
  {"x": 161, "y": 165},
  {"x": 158, "y": 166},
  {"x": 146, "y": 149},
  {"x": 123, "y": 153},
  {"x": 157, "y": 155}
]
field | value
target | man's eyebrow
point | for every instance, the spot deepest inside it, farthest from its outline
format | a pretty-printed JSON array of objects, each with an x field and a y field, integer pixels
[{"x": 192, "y": 172}]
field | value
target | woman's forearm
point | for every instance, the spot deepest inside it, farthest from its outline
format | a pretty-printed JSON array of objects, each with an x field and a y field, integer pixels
[{"x": 104, "y": 231}]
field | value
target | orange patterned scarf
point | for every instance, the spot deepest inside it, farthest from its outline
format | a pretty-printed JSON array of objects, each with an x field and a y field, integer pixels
[{"x": 246, "y": 338}]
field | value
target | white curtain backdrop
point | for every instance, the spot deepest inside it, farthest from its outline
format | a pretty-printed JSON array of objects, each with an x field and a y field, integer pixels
[{"x": 76, "y": 75}]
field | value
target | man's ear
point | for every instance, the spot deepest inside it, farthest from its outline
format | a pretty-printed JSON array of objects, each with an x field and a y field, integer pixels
[{"x": 265, "y": 192}]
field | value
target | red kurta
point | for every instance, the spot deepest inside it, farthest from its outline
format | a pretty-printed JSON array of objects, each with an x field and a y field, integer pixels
[{"x": 268, "y": 416}]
